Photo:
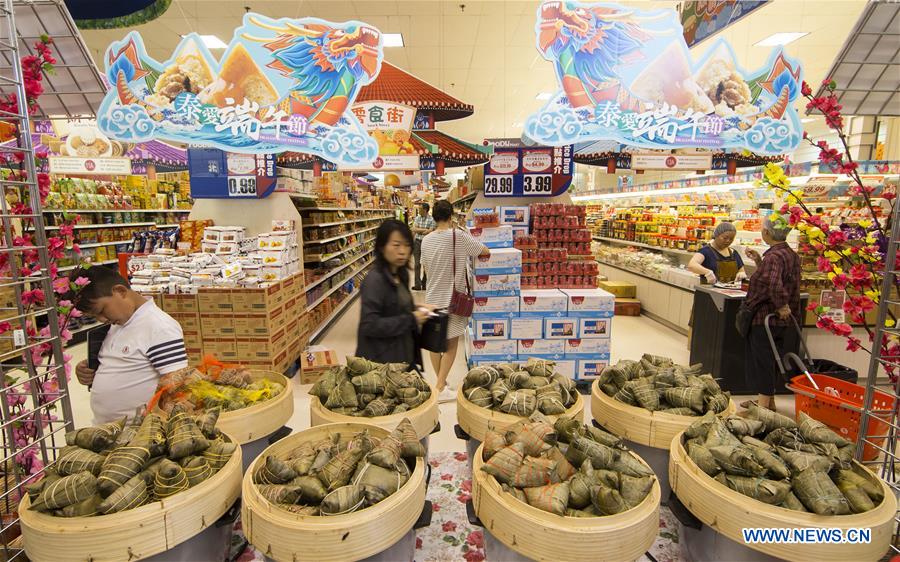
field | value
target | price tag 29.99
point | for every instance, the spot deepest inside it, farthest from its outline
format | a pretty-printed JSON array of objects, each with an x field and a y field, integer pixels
[
  {"x": 242, "y": 186},
  {"x": 498, "y": 185},
  {"x": 537, "y": 184}
]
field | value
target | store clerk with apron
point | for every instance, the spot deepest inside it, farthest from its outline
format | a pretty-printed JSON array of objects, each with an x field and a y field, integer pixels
[{"x": 717, "y": 261}]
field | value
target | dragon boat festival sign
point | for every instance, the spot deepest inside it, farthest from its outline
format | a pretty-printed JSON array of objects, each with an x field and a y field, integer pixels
[
  {"x": 627, "y": 75},
  {"x": 284, "y": 84}
]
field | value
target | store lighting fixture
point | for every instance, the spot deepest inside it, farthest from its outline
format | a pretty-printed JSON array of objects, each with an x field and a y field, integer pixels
[
  {"x": 799, "y": 180},
  {"x": 780, "y": 39},
  {"x": 393, "y": 39},
  {"x": 544, "y": 96},
  {"x": 211, "y": 42}
]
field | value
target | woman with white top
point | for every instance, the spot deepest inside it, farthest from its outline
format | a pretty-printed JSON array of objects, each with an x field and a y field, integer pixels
[{"x": 438, "y": 259}]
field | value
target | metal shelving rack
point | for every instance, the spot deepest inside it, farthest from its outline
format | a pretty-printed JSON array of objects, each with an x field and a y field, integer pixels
[
  {"x": 881, "y": 404},
  {"x": 75, "y": 89}
]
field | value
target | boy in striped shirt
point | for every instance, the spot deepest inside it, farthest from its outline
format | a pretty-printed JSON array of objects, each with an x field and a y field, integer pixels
[{"x": 143, "y": 344}]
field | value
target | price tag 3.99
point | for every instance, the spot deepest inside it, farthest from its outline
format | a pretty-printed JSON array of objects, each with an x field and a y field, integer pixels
[
  {"x": 242, "y": 186},
  {"x": 498, "y": 185},
  {"x": 537, "y": 184}
]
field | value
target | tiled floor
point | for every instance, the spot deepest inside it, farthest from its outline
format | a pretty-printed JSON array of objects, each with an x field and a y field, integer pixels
[{"x": 631, "y": 337}]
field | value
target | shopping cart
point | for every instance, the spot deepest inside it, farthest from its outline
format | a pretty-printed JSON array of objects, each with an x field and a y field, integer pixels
[{"x": 827, "y": 391}]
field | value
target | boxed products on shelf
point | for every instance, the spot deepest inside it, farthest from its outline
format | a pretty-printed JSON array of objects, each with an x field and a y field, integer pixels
[
  {"x": 594, "y": 327},
  {"x": 526, "y": 328},
  {"x": 485, "y": 217},
  {"x": 504, "y": 285},
  {"x": 593, "y": 303},
  {"x": 496, "y": 237},
  {"x": 496, "y": 307},
  {"x": 542, "y": 349},
  {"x": 540, "y": 303},
  {"x": 581, "y": 348},
  {"x": 491, "y": 329},
  {"x": 515, "y": 216},
  {"x": 501, "y": 261},
  {"x": 590, "y": 369},
  {"x": 491, "y": 350},
  {"x": 619, "y": 289},
  {"x": 560, "y": 328}
]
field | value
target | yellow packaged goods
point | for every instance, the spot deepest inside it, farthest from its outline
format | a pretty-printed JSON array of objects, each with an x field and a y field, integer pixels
[{"x": 620, "y": 289}]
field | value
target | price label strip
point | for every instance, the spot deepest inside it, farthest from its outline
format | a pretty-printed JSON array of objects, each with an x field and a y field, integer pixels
[
  {"x": 537, "y": 184},
  {"x": 241, "y": 186},
  {"x": 498, "y": 185}
]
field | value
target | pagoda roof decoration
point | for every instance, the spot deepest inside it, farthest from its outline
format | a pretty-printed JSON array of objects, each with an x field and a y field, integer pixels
[{"x": 398, "y": 86}]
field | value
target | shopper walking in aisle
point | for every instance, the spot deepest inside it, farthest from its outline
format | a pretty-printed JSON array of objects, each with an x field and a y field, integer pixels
[
  {"x": 774, "y": 288},
  {"x": 422, "y": 225},
  {"x": 143, "y": 344},
  {"x": 389, "y": 320},
  {"x": 716, "y": 261},
  {"x": 446, "y": 251}
]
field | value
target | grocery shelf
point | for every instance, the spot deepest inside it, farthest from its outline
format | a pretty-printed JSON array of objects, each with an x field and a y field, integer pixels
[
  {"x": 117, "y": 225},
  {"x": 86, "y": 327},
  {"x": 167, "y": 226},
  {"x": 323, "y": 224},
  {"x": 303, "y": 196},
  {"x": 333, "y": 316},
  {"x": 80, "y": 211},
  {"x": 336, "y": 287},
  {"x": 105, "y": 262},
  {"x": 642, "y": 245},
  {"x": 466, "y": 197},
  {"x": 339, "y": 237},
  {"x": 335, "y": 271},
  {"x": 98, "y": 244},
  {"x": 644, "y": 275},
  {"x": 327, "y": 257},
  {"x": 359, "y": 209}
]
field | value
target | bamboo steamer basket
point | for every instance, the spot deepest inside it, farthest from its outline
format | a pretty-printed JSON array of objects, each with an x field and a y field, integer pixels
[
  {"x": 540, "y": 535},
  {"x": 728, "y": 512},
  {"x": 282, "y": 535},
  {"x": 260, "y": 420},
  {"x": 476, "y": 420},
  {"x": 424, "y": 417},
  {"x": 136, "y": 533},
  {"x": 639, "y": 425}
]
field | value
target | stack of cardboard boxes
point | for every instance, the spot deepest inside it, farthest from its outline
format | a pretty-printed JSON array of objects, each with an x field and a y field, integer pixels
[
  {"x": 570, "y": 326},
  {"x": 264, "y": 328}
]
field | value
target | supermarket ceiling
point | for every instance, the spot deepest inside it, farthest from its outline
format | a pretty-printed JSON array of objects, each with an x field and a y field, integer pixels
[{"x": 483, "y": 52}]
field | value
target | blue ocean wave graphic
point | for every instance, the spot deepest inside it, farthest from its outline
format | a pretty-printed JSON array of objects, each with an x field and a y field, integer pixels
[
  {"x": 349, "y": 147},
  {"x": 558, "y": 126},
  {"x": 771, "y": 136},
  {"x": 128, "y": 123}
]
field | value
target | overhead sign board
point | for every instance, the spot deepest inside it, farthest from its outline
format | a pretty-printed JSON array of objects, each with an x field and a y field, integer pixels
[{"x": 535, "y": 171}]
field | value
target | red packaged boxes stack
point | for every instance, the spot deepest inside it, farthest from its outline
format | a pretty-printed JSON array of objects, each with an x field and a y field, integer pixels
[{"x": 563, "y": 259}]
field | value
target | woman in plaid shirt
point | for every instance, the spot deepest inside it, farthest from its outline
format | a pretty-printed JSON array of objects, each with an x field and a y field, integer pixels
[{"x": 774, "y": 289}]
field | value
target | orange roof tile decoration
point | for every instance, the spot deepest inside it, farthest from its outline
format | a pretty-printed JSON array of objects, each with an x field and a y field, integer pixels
[{"x": 393, "y": 84}]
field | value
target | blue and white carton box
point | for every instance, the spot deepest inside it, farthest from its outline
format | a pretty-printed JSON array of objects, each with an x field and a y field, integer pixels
[
  {"x": 491, "y": 350},
  {"x": 542, "y": 349},
  {"x": 588, "y": 349},
  {"x": 495, "y": 237},
  {"x": 542, "y": 303},
  {"x": 526, "y": 328},
  {"x": 594, "y": 328},
  {"x": 517, "y": 216},
  {"x": 564, "y": 328},
  {"x": 496, "y": 307},
  {"x": 566, "y": 368},
  {"x": 491, "y": 329},
  {"x": 589, "y": 369},
  {"x": 594, "y": 303},
  {"x": 504, "y": 285},
  {"x": 501, "y": 261}
]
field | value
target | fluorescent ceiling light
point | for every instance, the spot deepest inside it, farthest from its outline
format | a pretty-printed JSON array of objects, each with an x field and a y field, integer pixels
[
  {"x": 544, "y": 96},
  {"x": 393, "y": 39},
  {"x": 777, "y": 39},
  {"x": 211, "y": 42}
]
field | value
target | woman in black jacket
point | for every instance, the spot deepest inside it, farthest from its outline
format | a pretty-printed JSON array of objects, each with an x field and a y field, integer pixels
[{"x": 389, "y": 321}]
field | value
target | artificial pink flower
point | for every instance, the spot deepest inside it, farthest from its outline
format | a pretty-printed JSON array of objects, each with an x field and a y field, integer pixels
[
  {"x": 82, "y": 281},
  {"x": 853, "y": 344},
  {"x": 34, "y": 296},
  {"x": 60, "y": 285}
]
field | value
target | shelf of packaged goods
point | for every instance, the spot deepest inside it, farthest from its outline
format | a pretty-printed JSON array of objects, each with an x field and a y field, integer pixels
[
  {"x": 337, "y": 286},
  {"x": 324, "y": 224},
  {"x": 334, "y": 314},
  {"x": 357, "y": 209},
  {"x": 642, "y": 245},
  {"x": 86, "y": 327},
  {"x": 105, "y": 262},
  {"x": 464, "y": 198},
  {"x": 98, "y": 244},
  {"x": 303, "y": 196},
  {"x": 81, "y": 211},
  {"x": 117, "y": 225},
  {"x": 339, "y": 237},
  {"x": 335, "y": 271},
  {"x": 327, "y": 257},
  {"x": 167, "y": 226}
]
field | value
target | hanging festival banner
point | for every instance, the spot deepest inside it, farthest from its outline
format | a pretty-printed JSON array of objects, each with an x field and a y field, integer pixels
[
  {"x": 283, "y": 84},
  {"x": 705, "y": 18},
  {"x": 627, "y": 75},
  {"x": 390, "y": 124}
]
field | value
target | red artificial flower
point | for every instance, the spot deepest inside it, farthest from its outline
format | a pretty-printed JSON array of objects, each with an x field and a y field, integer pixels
[
  {"x": 836, "y": 237},
  {"x": 34, "y": 296},
  {"x": 812, "y": 306},
  {"x": 60, "y": 285},
  {"x": 823, "y": 264},
  {"x": 842, "y": 329},
  {"x": 840, "y": 281},
  {"x": 889, "y": 195},
  {"x": 805, "y": 89},
  {"x": 5, "y": 327},
  {"x": 448, "y": 527},
  {"x": 825, "y": 323}
]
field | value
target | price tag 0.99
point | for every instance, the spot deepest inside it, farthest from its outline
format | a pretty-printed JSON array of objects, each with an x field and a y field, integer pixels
[
  {"x": 242, "y": 186},
  {"x": 497, "y": 186},
  {"x": 537, "y": 184}
]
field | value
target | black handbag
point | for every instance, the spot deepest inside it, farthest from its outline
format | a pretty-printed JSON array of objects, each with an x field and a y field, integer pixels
[
  {"x": 743, "y": 320},
  {"x": 433, "y": 336}
]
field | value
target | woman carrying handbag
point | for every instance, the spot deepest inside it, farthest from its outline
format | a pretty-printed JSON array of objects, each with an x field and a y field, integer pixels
[{"x": 445, "y": 255}]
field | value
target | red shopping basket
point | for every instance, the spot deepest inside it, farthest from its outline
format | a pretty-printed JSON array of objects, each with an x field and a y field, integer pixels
[{"x": 841, "y": 413}]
